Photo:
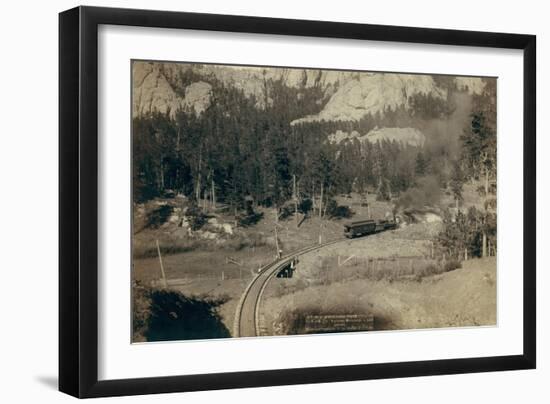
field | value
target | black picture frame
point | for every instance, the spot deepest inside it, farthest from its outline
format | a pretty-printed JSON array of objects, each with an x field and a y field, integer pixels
[{"x": 78, "y": 201}]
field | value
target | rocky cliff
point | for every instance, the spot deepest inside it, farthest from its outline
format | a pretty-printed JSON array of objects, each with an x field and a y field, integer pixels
[
  {"x": 346, "y": 96},
  {"x": 372, "y": 93}
]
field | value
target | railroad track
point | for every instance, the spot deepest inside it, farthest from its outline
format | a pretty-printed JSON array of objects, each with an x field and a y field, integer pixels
[{"x": 247, "y": 315}]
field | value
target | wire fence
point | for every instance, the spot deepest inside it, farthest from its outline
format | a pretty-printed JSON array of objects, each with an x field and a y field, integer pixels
[{"x": 336, "y": 268}]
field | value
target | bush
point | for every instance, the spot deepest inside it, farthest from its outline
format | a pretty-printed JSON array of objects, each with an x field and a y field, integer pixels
[
  {"x": 159, "y": 216},
  {"x": 286, "y": 211},
  {"x": 342, "y": 212},
  {"x": 250, "y": 219},
  {"x": 451, "y": 265},
  {"x": 432, "y": 269},
  {"x": 197, "y": 218},
  {"x": 305, "y": 206},
  {"x": 336, "y": 211}
]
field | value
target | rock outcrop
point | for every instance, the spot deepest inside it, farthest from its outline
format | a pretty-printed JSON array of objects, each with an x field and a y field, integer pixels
[
  {"x": 372, "y": 93},
  {"x": 340, "y": 136},
  {"x": 405, "y": 136},
  {"x": 197, "y": 97},
  {"x": 155, "y": 84},
  {"x": 151, "y": 90},
  {"x": 351, "y": 95}
]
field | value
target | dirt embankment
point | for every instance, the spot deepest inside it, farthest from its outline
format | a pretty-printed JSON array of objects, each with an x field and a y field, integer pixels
[{"x": 409, "y": 294}]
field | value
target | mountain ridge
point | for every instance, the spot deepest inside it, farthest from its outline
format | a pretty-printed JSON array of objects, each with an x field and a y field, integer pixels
[{"x": 346, "y": 96}]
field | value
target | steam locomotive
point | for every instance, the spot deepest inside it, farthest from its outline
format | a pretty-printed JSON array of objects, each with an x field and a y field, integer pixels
[{"x": 366, "y": 227}]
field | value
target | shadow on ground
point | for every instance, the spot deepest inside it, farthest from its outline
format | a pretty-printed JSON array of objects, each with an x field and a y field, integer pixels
[{"x": 177, "y": 317}]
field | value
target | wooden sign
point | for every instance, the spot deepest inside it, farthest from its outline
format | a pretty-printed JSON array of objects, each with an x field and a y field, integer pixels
[{"x": 339, "y": 323}]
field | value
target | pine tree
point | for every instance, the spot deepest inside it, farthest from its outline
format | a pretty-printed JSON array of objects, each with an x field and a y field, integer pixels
[
  {"x": 421, "y": 164},
  {"x": 456, "y": 183}
]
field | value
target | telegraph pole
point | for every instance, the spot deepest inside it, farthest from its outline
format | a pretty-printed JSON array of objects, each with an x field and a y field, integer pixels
[
  {"x": 295, "y": 197},
  {"x": 321, "y": 203},
  {"x": 164, "y": 283},
  {"x": 277, "y": 243}
]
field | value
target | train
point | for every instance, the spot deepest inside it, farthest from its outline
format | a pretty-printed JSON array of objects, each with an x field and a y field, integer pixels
[{"x": 360, "y": 228}]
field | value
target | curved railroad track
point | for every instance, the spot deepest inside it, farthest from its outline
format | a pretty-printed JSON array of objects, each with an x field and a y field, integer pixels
[{"x": 247, "y": 315}]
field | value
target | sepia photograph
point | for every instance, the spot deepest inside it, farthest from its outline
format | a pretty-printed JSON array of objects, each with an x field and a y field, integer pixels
[{"x": 275, "y": 201}]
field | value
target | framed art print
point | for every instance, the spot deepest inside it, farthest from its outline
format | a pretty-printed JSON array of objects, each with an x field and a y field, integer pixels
[{"x": 250, "y": 201}]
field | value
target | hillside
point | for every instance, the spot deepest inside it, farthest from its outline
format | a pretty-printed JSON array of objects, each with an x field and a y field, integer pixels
[
  {"x": 224, "y": 136},
  {"x": 463, "y": 297}
]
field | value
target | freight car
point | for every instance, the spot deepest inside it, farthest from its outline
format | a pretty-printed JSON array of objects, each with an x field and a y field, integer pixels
[{"x": 365, "y": 227}]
